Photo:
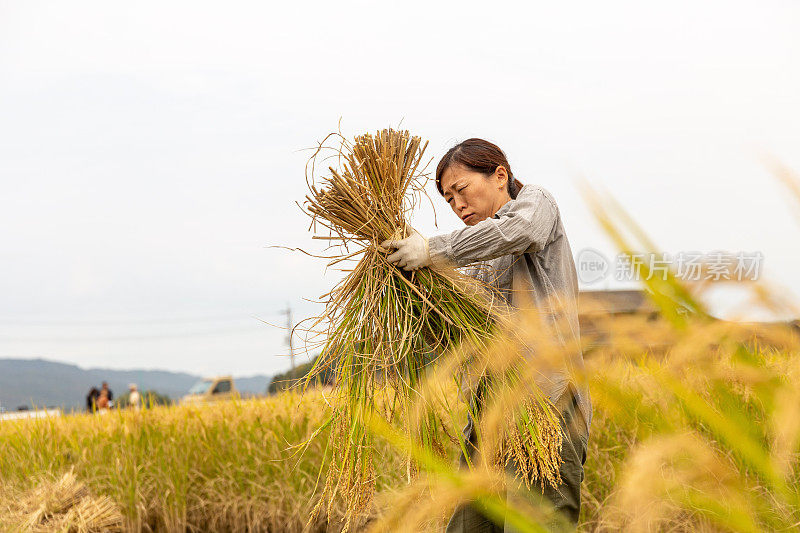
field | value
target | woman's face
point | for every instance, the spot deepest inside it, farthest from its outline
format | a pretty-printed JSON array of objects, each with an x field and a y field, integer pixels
[{"x": 473, "y": 196}]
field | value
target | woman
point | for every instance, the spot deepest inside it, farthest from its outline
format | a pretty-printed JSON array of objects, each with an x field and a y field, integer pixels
[{"x": 517, "y": 232}]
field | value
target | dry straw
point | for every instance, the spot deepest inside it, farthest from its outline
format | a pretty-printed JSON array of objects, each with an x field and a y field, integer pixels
[
  {"x": 385, "y": 326},
  {"x": 66, "y": 505}
]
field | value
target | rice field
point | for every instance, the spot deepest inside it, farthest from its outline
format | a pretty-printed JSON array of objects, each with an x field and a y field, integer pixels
[
  {"x": 703, "y": 436},
  {"x": 227, "y": 466}
]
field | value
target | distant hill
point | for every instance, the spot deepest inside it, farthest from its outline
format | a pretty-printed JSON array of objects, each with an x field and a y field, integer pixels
[{"x": 50, "y": 384}]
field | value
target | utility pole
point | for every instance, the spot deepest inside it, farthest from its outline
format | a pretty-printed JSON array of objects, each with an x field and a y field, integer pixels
[{"x": 289, "y": 326}]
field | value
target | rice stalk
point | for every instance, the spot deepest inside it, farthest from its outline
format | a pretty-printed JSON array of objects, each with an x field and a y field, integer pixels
[{"x": 384, "y": 326}]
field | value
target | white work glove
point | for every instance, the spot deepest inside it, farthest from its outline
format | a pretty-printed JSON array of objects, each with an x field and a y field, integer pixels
[{"x": 412, "y": 252}]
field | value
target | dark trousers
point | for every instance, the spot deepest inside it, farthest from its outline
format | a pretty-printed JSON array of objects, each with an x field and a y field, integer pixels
[{"x": 565, "y": 499}]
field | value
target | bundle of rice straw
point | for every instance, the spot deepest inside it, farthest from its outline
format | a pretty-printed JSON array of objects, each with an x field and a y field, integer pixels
[
  {"x": 66, "y": 505},
  {"x": 383, "y": 325}
]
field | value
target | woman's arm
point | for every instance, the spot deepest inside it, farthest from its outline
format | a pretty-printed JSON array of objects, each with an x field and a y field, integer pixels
[{"x": 522, "y": 225}]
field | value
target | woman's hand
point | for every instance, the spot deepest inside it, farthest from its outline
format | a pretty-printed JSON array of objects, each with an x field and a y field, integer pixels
[{"x": 411, "y": 253}]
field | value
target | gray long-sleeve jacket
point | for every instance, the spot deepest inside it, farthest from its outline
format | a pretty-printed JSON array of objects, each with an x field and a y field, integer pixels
[{"x": 525, "y": 244}]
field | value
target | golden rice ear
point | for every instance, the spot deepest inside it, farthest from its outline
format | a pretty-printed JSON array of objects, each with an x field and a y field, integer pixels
[{"x": 665, "y": 474}]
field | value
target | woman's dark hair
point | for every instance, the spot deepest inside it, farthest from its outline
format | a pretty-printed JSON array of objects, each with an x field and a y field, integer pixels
[{"x": 477, "y": 155}]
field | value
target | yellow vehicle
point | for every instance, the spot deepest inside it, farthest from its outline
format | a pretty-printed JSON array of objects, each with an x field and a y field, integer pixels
[{"x": 211, "y": 390}]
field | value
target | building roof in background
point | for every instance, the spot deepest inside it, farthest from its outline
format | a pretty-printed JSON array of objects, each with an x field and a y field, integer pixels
[{"x": 615, "y": 301}]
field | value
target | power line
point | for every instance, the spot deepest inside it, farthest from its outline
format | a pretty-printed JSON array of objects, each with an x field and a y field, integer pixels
[
  {"x": 116, "y": 322},
  {"x": 111, "y": 338}
]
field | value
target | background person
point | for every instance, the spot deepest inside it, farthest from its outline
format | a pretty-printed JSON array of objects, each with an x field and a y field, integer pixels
[
  {"x": 103, "y": 403},
  {"x": 134, "y": 399},
  {"x": 109, "y": 394},
  {"x": 91, "y": 399}
]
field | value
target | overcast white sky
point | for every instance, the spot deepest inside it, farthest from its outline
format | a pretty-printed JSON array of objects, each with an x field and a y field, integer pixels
[{"x": 151, "y": 151}]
